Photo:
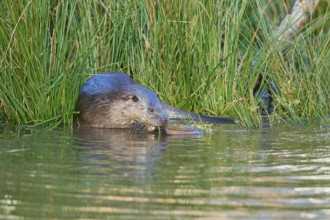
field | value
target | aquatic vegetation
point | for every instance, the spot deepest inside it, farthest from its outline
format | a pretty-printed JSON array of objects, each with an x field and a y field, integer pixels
[{"x": 195, "y": 55}]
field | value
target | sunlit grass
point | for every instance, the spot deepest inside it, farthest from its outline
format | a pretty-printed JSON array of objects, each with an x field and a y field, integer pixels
[{"x": 195, "y": 55}]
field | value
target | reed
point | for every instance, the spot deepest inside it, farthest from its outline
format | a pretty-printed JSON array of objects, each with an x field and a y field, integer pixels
[{"x": 195, "y": 54}]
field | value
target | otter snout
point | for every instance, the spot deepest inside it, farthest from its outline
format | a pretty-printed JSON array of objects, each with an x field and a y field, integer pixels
[{"x": 163, "y": 120}]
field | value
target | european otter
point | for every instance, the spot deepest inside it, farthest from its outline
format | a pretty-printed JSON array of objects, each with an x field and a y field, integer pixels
[{"x": 115, "y": 100}]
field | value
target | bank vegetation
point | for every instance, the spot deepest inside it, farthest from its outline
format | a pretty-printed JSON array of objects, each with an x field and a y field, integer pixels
[{"x": 195, "y": 54}]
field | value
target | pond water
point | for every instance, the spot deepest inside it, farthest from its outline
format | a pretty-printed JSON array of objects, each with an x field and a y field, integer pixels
[{"x": 232, "y": 173}]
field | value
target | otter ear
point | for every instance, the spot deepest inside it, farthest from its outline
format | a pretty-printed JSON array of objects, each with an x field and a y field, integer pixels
[{"x": 135, "y": 98}]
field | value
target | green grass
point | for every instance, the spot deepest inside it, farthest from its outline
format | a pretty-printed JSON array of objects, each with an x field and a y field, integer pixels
[{"x": 195, "y": 54}]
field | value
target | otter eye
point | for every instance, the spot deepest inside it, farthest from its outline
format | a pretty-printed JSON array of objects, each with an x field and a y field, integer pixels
[
  {"x": 135, "y": 98},
  {"x": 151, "y": 110}
]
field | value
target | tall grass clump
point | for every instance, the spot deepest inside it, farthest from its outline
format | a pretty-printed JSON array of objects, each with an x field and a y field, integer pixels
[
  {"x": 195, "y": 54},
  {"x": 42, "y": 52}
]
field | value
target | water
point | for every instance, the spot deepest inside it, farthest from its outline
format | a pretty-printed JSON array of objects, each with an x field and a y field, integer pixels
[{"x": 233, "y": 173}]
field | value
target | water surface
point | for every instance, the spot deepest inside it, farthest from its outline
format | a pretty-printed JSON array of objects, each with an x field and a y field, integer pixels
[{"x": 232, "y": 173}]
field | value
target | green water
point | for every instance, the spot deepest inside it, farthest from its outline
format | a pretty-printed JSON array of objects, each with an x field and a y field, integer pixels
[{"x": 266, "y": 173}]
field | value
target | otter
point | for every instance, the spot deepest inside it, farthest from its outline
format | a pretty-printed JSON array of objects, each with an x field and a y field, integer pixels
[{"x": 115, "y": 100}]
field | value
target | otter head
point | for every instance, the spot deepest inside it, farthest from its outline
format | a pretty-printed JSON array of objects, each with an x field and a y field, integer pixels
[
  {"x": 137, "y": 106},
  {"x": 114, "y": 100}
]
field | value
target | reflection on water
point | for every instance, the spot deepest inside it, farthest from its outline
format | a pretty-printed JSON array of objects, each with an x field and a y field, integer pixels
[{"x": 267, "y": 173}]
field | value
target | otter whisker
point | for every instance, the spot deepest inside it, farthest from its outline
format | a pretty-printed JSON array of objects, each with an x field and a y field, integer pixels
[{"x": 138, "y": 128}]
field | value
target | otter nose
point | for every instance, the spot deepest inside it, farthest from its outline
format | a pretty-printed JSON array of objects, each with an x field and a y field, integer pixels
[{"x": 163, "y": 120}]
